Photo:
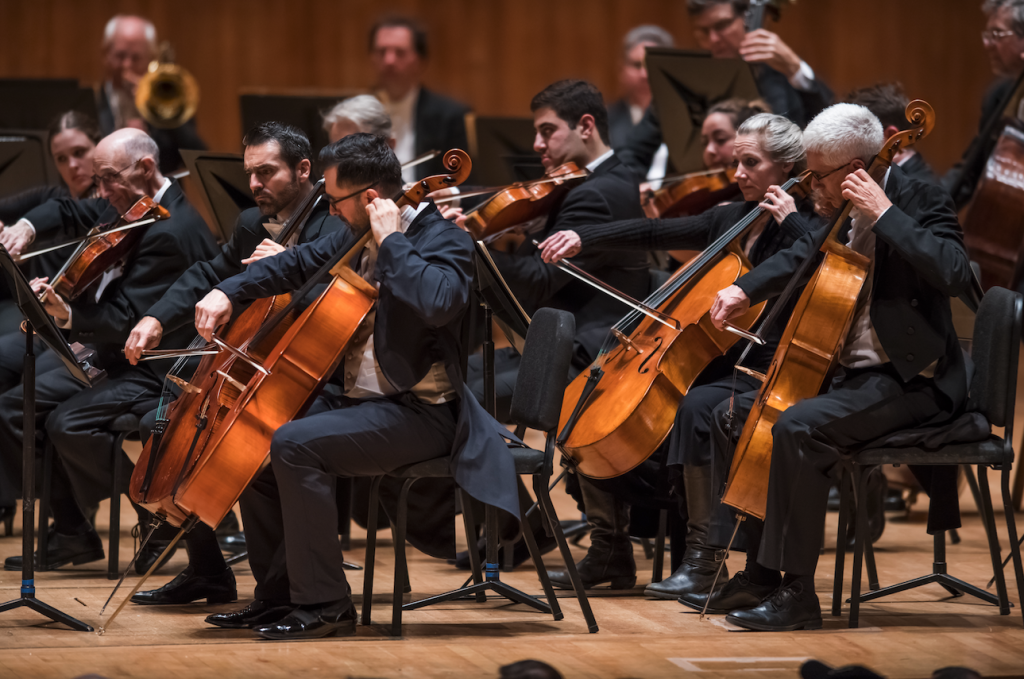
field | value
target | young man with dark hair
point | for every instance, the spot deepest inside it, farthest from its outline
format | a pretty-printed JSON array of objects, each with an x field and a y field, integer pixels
[
  {"x": 277, "y": 159},
  {"x": 787, "y": 83},
  {"x": 403, "y": 398},
  {"x": 422, "y": 120}
]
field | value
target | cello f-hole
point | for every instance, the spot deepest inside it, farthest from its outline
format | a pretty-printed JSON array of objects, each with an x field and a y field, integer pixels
[{"x": 643, "y": 366}]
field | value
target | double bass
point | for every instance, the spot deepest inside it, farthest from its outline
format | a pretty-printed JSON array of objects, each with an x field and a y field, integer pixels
[
  {"x": 615, "y": 415},
  {"x": 814, "y": 337}
]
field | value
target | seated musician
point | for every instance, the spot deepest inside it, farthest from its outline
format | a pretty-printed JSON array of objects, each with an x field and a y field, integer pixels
[
  {"x": 79, "y": 417},
  {"x": 404, "y": 398},
  {"x": 278, "y": 162},
  {"x": 786, "y": 82},
  {"x": 1003, "y": 39},
  {"x": 889, "y": 102},
  {"x": 901, "y": 366},
  {"x": 769, "y": 150},
  {"x": 361, "y": 113}
]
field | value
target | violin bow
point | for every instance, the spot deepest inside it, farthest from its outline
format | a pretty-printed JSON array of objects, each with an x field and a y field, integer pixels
[{"x": 76, "y": 241}]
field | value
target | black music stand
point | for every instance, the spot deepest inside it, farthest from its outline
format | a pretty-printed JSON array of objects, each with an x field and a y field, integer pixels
[
  {"x": 502, "y": 149},
  {"x": 33, "y": 103},
  {"x": 25, "y": 161},
  {"x": 223, "y": 186},
  {"x": 493, "y": 294},
  {"x": 684, "y": 85},
  {"x": 38, "y": 322}
]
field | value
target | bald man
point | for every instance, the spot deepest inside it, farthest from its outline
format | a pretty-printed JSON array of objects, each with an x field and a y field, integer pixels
[
  {"x": 77, "y": 419},
  {"x": 129, "y": 45}
]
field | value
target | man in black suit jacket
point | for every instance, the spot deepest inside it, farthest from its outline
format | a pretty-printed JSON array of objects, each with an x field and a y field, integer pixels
[
  {"x": 129, "y": 45},
  {"x": 901, "y": 366},
  {"x": 77, "y": 418},
  {"x": 422, "y": 120},
  {"x": 1003, "y": 39},
  {"x": 572, "y": 125},
  {"x": 625, "y": 113},
  {"x": 404, "y": 400},
  {"x": 786, "y": 83},
  {"x": 278, "y": 161}
]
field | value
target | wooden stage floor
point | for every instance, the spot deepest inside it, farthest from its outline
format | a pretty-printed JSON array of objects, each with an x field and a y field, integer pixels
[{"x": 908, "y": 635}]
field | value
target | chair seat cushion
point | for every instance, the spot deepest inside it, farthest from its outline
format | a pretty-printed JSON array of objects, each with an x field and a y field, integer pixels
[{"x": 990, "y": 451}]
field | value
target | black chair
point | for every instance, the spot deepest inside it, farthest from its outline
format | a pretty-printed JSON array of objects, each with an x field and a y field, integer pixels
[
  {"x": 126, "y": 427},
  {"x": 997, "y": 337},
  {"x": 536, "y": 404}
]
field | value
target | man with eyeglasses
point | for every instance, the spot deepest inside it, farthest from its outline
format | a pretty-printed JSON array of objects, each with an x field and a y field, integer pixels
[
  {"x": 125, "y": 169},
  {"x": 900, "y": 366},
  {"x": 1003, "y": 39},
  {"x": 786, "y": 82}
]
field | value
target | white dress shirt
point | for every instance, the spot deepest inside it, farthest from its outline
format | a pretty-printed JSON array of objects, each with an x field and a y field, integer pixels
[{"x": 403, "y": 127}]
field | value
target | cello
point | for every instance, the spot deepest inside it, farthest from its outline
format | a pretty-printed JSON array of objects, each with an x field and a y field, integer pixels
[
  {"x": 814, "y": 337},
  {"x": 617, "y": 414},
  {"x": 220, "y": 438}
]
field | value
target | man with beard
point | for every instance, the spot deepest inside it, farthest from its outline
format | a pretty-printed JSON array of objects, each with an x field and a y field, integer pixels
[{"x": 278, "y": 163}]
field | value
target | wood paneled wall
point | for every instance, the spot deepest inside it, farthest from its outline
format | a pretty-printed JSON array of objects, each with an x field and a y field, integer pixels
[{"x": 495, "y": 54}]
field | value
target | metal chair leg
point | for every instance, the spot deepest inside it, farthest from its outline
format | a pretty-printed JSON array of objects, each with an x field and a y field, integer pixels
[
  {"x": 1011, "y": 529},
  {"x": 371, "y": 548},
  {"x": 659, "y": 546},
  {"x": 861, "y": 536},
  {"x": 114, "y": 533},
  {"x": 540, "y": 488},
  {"x": 844, "y": 520},
  {"x": 401, "y": 566},
  {"x": 993, "y": 541},
  {"x": 469, "y": 522},
  {"x": 538, "y": 562}
]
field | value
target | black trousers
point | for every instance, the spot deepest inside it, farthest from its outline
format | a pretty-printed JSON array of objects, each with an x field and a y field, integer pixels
[
  {"x": 295, "y": 507},
  {"x": 860, "y": 406}
]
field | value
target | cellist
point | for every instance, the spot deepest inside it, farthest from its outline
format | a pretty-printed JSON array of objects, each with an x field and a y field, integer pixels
[
  {"x": 901, "y": 366},
  {"x": 403, "y": 398},
  {"x": 768, "y": 150}
]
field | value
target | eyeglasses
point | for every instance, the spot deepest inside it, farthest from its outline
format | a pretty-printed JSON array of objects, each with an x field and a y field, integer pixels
[
  {"x": 993, "y": 35},
  {"x": 112, "y": 177},
  {"x": 821, "y": 177},
  {"x": 334, "y": 202}
]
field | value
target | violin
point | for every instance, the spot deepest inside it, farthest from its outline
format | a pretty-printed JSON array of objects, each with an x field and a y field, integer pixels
[
  {"x": 105, "y": 246},
  {"x": 265, "y": 373},
  {"x": 617, "y": 414},
  {"x": 522, "y": 202},
  {"x": 813, "y": 339},
  {"x": 691, "y": 194}
]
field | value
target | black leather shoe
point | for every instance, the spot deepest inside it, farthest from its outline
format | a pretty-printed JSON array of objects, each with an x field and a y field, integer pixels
[
  {"x": 337, "y": 620},
  {"x": 604, "y": 563},
  {"x": 255, "y": 614},
  {"x": 188, "y": 587},
  {"x": 63, "y": 550},
  {"x": 789, "y": 608},
  {"x": 233, "y": 542},
  {"x": 694, "y": 575},
  {"x": 737, "y": 594}
]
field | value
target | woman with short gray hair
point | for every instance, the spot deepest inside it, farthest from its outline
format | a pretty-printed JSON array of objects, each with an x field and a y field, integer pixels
[{"x": 361, "y": 113}]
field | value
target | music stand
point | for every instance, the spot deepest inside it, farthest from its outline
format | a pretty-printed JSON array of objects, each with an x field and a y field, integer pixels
[
  {"x": 25, "y": 161},
  {"x": 685, "y": 84},
  {"x": 223, "y": 185},
  {"x": 38, "y": 322},
  {"x": 33, "y": 103},
  {"x": 502, "y": 149},
  {"x": 493, "y": 293}
]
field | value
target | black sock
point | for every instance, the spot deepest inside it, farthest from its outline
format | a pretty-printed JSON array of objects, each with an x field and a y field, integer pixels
[
  {"x": 756, "y": 573},
  {"x": 807, "y": 581},
  {"x": 204, "y": 553}
]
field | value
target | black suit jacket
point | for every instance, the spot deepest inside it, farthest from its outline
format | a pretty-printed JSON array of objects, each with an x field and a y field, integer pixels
[
  {"x": 781, "y": 97},
  {"x": 620, "y": 123},
  {"x": 177, "y": 307},
  {"x": 168, "y": 141},
  {"x": 920, "y": 263},
  {"x": 609, "y": 194},
  {"x": 918, "y": 168},
  {"x": 426, "y": 281},
  {"x": 963, "y": 177},
  {"x": 167, "y": 249},
  {"x": 440, "y": 126}
]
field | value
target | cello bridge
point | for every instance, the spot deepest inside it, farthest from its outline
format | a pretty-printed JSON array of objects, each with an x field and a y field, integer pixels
[{"x": 625, "y": 341}]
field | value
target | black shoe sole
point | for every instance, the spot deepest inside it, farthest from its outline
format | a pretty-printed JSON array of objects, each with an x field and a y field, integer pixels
[
  {"x": 77, "y": 560},
  {"x": 209, "y": 600},
  {"x": 613, "y": 583},
  {"x": 746, "y": 624},
  {"x": 346, "y": 629},
  {"x": 710, "y": 611}
]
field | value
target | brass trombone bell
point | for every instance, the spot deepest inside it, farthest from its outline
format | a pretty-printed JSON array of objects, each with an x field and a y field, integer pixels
[{"x": 167, "y": 96}]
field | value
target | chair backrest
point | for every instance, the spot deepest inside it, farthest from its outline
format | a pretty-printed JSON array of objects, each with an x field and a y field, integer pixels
[
  {"x": 995, "y": 352},
  {"x": 543, "y": 370}
]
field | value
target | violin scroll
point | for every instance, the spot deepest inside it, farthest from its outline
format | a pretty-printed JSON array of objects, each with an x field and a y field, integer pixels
[
  {"x": 458, "y": 164},
  {"x": 922, "y": 116}
]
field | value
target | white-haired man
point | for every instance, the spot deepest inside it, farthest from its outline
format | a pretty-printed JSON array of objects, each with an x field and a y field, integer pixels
[
  {"x": 129, "y": 45},
  {"x": 901, "y": 366},
  {"x": 77, "y": 419}
]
